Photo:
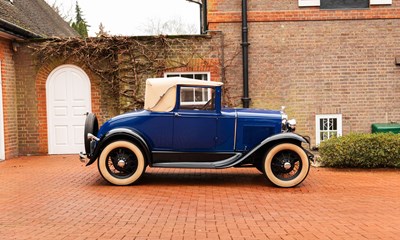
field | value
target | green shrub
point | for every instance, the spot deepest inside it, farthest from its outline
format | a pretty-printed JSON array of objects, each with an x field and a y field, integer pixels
[{"x": 360, "y": 150}]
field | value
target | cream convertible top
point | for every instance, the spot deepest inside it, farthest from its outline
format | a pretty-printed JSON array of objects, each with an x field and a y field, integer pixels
[{"x": 160, "y": 95}]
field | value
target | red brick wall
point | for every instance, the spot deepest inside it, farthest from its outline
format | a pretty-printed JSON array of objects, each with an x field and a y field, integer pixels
[
  {"x": 31, "y": 90},
  {"x": 32, "y": 109},
  {"x": 9, "y": 99},
  {"x": 316, "y": 61}
]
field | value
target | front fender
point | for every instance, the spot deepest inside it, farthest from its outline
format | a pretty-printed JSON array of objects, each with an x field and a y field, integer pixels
[
  {"x": 271, "y": 141},
  {"x": 120, "y": 134},
  {"x": 283, "y": 136}
]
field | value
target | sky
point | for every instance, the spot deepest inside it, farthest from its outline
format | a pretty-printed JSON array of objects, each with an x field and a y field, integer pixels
[{"x": 129, "y": 17}]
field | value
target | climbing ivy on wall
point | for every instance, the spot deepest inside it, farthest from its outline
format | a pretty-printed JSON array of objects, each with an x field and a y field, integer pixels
[{"x": 124, "y": 63}]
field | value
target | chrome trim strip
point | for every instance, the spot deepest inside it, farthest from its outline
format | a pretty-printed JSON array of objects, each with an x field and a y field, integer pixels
[{"x": 235, "y": 134}]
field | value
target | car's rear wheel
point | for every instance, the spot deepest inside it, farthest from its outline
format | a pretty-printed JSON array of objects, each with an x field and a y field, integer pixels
[
  {"x": 121, "y": 163},
  {"x": 286, "y": 165},
  {"x": 91, "y": 126}
]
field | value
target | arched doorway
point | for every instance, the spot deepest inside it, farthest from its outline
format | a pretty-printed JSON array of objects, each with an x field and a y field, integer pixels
[{"x": 68, "y": 99}]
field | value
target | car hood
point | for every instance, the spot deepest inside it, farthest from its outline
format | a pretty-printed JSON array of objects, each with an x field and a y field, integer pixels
[{"x": 253, "y": 112}]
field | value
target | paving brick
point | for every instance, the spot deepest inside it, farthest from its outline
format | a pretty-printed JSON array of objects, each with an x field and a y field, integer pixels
[{"x": 57, "y": 197}]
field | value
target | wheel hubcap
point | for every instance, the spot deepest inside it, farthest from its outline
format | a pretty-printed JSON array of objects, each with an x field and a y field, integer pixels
[
  {"x": 121, "y": 163},
  {"x": 287, "y": 165}
]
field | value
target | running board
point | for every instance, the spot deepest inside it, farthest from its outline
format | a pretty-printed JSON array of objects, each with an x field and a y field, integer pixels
[{"x": 220, "y": 164}]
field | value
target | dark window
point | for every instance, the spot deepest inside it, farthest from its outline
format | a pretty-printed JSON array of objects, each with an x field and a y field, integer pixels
[{"x": 344, "y": 4}]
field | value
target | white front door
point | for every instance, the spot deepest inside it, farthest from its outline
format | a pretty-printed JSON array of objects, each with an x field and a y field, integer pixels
[
  {"x": 2, "y": 145},
  {"x": 68, "y": 99}
]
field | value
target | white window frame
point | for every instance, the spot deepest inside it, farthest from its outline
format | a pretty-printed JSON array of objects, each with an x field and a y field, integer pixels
[
  {"x": 2, "y": 143},
  {"x": 313, "y": 3},
  {"x": 192, "y": 73},
  {"x": 328, "y": 116},
  {"x": 309, "y": 3},
  {"x": 380, "y": 2}
]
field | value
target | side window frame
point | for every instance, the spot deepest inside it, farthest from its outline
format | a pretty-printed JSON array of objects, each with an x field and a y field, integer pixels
[{"x": 199, "y": 110}]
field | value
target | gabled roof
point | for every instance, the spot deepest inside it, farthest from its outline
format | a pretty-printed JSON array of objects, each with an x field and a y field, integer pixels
[{"x": 32, "y": 19}]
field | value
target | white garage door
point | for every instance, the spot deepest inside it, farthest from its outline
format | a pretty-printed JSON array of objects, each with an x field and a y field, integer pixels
[{"x": 68, "y": 99}]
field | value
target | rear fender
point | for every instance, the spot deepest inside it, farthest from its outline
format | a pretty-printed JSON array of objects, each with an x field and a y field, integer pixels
[{"x": 120, "y": 134}]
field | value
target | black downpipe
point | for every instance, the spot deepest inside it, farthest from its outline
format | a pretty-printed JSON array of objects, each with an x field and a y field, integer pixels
[
  {"x": 245, "y": 56},
  {"x": 205, "y": 19}
]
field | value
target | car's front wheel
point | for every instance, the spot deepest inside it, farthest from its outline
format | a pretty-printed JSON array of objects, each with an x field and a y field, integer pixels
[
  {"x": 121, "y": 163},
  {"x": 286, "y": 165}
]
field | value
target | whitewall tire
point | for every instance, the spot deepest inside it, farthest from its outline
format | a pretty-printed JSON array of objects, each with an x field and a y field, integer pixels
[
  {"x": 286, "y": 165},
  {"x": 121, "y": 163}
]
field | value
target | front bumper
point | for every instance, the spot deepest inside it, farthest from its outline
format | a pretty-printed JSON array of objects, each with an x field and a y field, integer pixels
[{"x": 310, "y": 156}]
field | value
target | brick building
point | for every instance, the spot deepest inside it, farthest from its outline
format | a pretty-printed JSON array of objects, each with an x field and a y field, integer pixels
[
  {"x": 20, "y": 20},
  {"x": 45, "y": 101},
  {"x": 53, "y": 95},
  {"x": 333, "y": 65}
]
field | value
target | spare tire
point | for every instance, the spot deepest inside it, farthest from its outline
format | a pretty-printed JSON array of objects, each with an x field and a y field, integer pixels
[{"x": 91, "y": 126}]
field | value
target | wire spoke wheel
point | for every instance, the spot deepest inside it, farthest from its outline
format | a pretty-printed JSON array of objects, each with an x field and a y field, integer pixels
[
  {"x": 121, "y": 163},
  {"x": 286, "y": 165}
]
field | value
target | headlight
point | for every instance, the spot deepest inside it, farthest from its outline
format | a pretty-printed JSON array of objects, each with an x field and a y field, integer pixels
[
  {"x": 287, "y": 125},
  {"x": 291, "y": 124}
]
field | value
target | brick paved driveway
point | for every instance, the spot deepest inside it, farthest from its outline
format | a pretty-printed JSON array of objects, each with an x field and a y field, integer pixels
[{"x": 56, "y": 197}]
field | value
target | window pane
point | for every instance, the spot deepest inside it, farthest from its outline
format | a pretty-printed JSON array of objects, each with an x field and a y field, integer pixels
[
  {"x": 205, "y": 93},
  {"x": 324, "y": 136},
  {"x": 344, "y": 4},
  {"x": 199, "y": 95},
  {"x": 210, "y": 104},
  {"x": 187, "y": 75},
  {"x": 325, "y": 125},
  {"x": 200, "y": 76},
  {"x": 187, "y": 94},
  {"x": 334, "y": 124},
  {"x": 173, "y": 75}
]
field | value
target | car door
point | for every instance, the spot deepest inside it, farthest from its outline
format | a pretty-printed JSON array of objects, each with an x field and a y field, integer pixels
[
  {"x": 194, "y": 131},
  {"x": 195, "y": 120}
]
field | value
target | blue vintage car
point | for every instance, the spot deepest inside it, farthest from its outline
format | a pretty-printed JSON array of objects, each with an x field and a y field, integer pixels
[{"x": 183, "y": 125}]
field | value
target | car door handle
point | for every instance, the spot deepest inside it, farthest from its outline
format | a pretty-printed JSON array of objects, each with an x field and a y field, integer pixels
[{"x": 177, "y": 115}]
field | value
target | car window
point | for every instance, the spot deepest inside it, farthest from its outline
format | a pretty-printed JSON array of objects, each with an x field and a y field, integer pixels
[{"x": 197, "y": 98}]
